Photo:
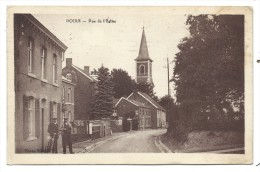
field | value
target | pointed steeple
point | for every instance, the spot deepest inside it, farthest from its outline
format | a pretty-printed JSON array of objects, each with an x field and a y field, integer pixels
[{"x": 143, "y": 51}]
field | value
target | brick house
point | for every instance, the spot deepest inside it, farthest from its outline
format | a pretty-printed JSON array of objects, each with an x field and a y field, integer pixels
[
  {"x": 84, "y": 89},
  {"x": 38, "y": 56},
  {"x": 131, "y": 109},
  {"x": 142, "y": 107},
  {"x": 158, "y": 113},
  {"x": 68, "y": 98}
]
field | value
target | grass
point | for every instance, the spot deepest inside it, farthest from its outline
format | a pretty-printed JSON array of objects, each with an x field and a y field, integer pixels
[{"x": 201, "y": 141}]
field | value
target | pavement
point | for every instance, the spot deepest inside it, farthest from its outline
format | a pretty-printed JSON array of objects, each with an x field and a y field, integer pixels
[{"x": 143, "y": 141}]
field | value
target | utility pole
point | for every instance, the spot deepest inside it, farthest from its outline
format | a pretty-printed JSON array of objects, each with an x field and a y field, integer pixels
[{"x": 168, "y": 76}]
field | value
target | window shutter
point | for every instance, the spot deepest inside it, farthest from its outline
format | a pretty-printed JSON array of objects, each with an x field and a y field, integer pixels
[
  {"x": 25, "y": 117},
  {"x": 51, "y": 110},
  {"x": 37, "y": 118},
  {"x": 58, "y": 113}
]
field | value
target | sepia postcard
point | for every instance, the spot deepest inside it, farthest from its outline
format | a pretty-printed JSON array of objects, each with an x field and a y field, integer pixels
[{"x": 129, "y": 85}]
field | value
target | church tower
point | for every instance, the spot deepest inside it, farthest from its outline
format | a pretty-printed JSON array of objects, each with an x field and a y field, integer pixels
[{"x": 143, "y": 63}]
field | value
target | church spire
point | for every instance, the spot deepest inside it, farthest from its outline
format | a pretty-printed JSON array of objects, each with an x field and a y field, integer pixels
[{"x": 143, "y": 51}]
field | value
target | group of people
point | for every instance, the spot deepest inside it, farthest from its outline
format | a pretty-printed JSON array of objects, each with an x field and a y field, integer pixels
[{"x": 64, "y": 130}]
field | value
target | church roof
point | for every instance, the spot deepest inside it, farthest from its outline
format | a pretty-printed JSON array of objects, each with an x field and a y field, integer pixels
[{"x": 143, "y": 51}]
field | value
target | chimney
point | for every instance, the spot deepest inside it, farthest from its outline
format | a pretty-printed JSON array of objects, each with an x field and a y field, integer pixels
[
  {"x": 68, "y": 61},
  {"x": 86, "y": 70}
]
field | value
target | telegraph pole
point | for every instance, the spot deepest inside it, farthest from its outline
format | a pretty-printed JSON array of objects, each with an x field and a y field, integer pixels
[{"x": 168, "y": 76}]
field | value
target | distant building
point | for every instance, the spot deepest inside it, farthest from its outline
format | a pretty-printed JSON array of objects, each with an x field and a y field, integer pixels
[
  {"x": 158, "y": 113},
  {"x": 84, "y": 89},
  {"x": 142, "y": 107},
  {"x": 38, "y": 86},
  {"x": 68, "y": 99},
  {"x": 134, "y": 110},
  {"x": 144, "y": 63}
]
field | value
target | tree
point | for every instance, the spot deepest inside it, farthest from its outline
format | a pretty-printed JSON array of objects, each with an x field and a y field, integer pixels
[
  {"x": 167, "y": 103},
  {"x": 103, "y": 103},
  {"x": 147, "y": 88},
  {"x": 209, "y": 70},
  {"x": 123, "y": 84}
]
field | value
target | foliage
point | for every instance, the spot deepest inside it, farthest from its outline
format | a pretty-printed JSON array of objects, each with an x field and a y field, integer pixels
[
  {"x": 102, "y": 106},
  {"x": 147, "y": 88},
  {"x": 167, "y": 103},
  {"x": 209, "y": 72},
  {"x": 123, "y": 84}
]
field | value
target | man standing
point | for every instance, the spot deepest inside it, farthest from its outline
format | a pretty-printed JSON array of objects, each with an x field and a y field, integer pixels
[
  {"x": 53, "y": 129},
  {"x": 66, "y": 136}
]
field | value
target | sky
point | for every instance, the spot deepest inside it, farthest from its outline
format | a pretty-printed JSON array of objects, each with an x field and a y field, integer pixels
[{"x": 116, "y": 44}]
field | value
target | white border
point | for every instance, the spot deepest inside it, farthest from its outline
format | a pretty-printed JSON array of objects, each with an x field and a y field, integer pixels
[{"x": 3, "y": 105}]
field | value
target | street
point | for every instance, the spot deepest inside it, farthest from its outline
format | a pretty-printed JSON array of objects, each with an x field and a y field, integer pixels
[{"x": 131, "y": 142}]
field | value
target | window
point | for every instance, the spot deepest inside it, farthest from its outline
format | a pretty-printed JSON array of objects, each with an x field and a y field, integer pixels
[
  {"x": 31, "y": 118},
  {"x": 141, "y": 69},
  {"x": 69, "y": 116},
  {"x": 69, "y": 95},
  {"x": 43, "y": 62},
  {"x": 30, "y": 55},
  {"x": 54, "y": 112},
  {"x": 69, "y": 77},
  {"x": 54, "y": 69},
  {"x": 63, "y": 93}
]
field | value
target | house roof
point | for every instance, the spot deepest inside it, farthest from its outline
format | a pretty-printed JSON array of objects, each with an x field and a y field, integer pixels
[
  {"x": 149, "y": 99},
  {"x": 140, "y": 104},
  {"x": 83, "y": 73},
  {"x": 143, "y": 51},
  {"x": 136, "y": 103}
]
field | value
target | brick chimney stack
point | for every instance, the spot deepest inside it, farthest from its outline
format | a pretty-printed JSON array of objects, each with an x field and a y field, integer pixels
[
  {"x": 86, "y": 70},
  {"x": 68, "y": 61}
]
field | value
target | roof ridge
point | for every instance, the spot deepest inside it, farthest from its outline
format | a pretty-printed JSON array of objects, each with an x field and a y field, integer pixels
[
  {"x": 81, "y": 71},
  {"x": 152, "y": 101}
]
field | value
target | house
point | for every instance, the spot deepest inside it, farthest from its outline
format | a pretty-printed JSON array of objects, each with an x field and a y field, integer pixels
[
  {"x": 158, "y": 113},
  {"x": 68, "y": 99},
  {"x": 137, "y": 113},
  {"x": 142, "y": 108},
  {"x": 38, "y": 55},
  {"x": 84, "y": 89}
]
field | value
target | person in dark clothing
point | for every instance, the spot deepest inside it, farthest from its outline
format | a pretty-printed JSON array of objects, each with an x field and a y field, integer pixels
[
  {"x": 53, "y": 129},
  {"x": 66, "y": 136}
]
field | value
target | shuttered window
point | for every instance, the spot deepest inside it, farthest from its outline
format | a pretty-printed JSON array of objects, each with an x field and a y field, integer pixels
[{"x": 29, "y": 118}]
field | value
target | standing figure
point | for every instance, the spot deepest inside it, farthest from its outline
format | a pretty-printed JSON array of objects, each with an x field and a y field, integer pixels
[
  {"x": 53, "y": 129},
  {"x": 66, "y": 136}
]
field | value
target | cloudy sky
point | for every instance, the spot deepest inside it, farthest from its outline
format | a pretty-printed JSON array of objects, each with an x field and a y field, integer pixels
[{"x": 116, "y": 45}]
